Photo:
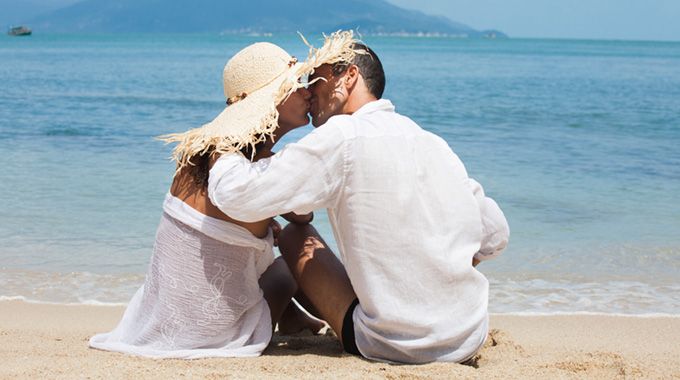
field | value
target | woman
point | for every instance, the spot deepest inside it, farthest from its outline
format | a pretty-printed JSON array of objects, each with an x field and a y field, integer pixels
[{"x": 213, "y": 288}]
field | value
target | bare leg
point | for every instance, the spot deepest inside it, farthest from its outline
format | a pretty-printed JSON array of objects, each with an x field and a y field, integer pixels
[
  {"x": 278, "y": 286},
  {"x": 319, "y": 274},
  {"x": 301, "y": 298}
]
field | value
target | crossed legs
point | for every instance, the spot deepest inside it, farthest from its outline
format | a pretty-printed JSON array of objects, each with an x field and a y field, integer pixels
[{"x": 323, "y": 286}]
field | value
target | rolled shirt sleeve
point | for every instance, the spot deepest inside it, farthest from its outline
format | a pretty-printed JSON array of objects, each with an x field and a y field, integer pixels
[
  {"x": 495, "y": 229},
  {"x": 302, "y": 177}
]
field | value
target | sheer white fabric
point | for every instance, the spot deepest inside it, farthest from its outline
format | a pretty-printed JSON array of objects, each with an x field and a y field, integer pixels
[{"x": 201, "y": 297}]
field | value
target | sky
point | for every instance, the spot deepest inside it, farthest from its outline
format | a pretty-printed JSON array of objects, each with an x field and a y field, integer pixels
[{"x": 581, "y": 19}]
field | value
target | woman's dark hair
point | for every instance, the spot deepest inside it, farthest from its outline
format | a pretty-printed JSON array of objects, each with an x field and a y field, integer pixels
[
  {"x": 369, "y": 66},
  {"x": 200, "y": 170}
]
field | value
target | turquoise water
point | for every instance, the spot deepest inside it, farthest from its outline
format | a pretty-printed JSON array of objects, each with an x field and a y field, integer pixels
[{"x": 576, "y": 140}]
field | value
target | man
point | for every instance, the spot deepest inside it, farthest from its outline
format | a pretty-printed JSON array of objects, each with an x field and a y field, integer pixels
[{"x": 407, "y": 219}]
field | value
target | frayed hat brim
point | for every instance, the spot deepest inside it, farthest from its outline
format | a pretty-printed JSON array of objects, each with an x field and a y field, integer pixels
[{"x": 255, "y": 117}]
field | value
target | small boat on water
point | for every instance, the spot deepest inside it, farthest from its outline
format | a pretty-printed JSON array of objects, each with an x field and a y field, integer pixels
[{"x": 19, "y": 31}]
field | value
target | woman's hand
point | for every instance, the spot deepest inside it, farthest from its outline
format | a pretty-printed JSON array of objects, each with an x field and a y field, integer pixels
[{"x": 276, "y": 230}]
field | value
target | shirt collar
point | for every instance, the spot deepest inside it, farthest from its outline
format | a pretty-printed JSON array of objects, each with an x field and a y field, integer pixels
[{"x": 374, "y": 106}]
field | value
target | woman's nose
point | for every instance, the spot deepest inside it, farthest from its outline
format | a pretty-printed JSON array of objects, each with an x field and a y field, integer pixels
[{"x": 306, "y": 94}]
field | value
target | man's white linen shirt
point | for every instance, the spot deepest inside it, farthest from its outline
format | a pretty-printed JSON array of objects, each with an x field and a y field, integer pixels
[{"x": 407, "y": 220}]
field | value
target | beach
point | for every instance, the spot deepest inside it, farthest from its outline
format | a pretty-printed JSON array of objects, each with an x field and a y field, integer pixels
[
  {"x": 50, "y": 340},
  {"x": 575, "y": 139}
]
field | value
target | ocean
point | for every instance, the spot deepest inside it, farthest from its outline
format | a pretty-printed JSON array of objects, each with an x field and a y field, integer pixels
[{"x": 578, "y": 142}]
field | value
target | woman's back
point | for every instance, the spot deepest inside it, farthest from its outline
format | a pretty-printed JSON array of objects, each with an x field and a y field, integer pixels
[
  {"x": 195, "y": 194},
  {"x": 201, "y": 296}
]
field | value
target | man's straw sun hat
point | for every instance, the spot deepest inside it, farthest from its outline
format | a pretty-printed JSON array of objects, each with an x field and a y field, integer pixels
[{"x": 256, "y": 80}]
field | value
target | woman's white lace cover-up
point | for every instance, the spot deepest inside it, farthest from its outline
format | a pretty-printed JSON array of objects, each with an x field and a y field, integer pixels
[{"x": 201, "y": 297}]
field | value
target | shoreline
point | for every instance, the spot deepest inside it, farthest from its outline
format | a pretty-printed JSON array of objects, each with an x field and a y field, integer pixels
[
  {"x": 95, "y": 303},
  {"x": 51, "y": 339},
  {"x": 653, "y": 294}
]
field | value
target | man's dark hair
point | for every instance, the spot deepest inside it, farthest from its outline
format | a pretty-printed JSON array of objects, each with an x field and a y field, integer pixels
[{"x": 369, "y": 66}]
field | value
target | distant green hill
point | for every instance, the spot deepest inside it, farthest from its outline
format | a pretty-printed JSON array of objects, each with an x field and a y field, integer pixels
[{"x": 250, "y": 16}]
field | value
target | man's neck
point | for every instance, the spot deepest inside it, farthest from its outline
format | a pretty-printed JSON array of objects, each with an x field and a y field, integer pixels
[{"x": 357, "y": 101}]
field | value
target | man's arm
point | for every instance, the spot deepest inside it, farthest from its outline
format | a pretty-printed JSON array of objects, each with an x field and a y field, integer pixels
[
  {"x": 495, "y": 229},
  {"x": 302, "y": 177}
]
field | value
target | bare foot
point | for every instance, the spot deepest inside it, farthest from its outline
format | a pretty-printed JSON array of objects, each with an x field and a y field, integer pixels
[{"x": 294, "y": 320}]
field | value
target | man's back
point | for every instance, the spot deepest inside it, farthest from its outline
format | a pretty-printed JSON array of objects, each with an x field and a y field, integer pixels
[{"x": 408, "y": 225}]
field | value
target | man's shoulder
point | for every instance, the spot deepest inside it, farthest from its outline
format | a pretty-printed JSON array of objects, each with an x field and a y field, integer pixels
[
  {"x": 329, "y": 133},
  {"x": 341, "y": 126},
  {"x": 340, "y": 119}
]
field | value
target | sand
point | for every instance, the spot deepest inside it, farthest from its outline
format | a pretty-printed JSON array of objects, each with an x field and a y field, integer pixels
[{"x": 50, "y": 341}]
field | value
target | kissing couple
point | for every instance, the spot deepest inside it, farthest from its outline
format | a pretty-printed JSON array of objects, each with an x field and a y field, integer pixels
[{"x": 410, "y": 225}]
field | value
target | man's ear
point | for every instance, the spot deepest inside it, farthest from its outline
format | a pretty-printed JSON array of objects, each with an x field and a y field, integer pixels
[{"x": 351, "y": 77}]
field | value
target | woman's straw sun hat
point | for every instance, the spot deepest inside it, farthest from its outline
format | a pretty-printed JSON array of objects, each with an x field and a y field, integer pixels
[{"x": 256, "y": 80}]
